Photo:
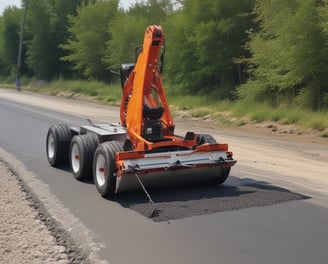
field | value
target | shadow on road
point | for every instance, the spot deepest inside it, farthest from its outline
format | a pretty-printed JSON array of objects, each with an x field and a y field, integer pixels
[
  {"x": 186, "y": 201},
  {"x": 68, "y": 169}
]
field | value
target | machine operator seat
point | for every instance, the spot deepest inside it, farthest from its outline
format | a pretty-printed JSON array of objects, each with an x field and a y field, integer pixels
[{"x": 153, "y": 130}]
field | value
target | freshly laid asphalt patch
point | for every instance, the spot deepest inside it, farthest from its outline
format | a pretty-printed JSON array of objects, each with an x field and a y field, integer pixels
[{"x": 176, "y": 203}]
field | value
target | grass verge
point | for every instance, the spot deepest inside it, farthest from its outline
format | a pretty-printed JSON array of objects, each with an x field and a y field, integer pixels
[
  {"x": 93, "y": 90},
  {"x": 237, "y": 113}
]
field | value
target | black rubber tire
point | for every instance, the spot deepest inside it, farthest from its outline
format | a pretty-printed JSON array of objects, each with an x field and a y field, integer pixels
[
  {"x": 117, "y": 146},
  {"x": 223, "y": 176},
  {"x": 57, "y": 144},
  {"x": 82, "y": 150},
  {"x": 106, "y": 152},
  {"x": 205, "y": 138},
  {"x": 127, "y": 145}
]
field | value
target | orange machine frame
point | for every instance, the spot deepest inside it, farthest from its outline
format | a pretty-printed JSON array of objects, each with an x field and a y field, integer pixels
[{"x": 142, "y": 86}]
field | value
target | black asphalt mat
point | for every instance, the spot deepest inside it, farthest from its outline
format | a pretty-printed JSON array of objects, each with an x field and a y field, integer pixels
[{"x": 181, "y": 202}]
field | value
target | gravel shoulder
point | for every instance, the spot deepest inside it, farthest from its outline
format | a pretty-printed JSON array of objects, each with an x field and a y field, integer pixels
[
  {"x": 24, "y": 238},
  {"x": 35, "y": 227}
]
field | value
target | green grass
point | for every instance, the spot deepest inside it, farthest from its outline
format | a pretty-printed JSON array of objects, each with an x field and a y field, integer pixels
[
  {"x": 201, "y": 112},
  {"x": 187, "y": 102},
  {"x": 97, "y": 91},
  {"x": 317, "y": 120},
  {"x": 257, "y": 112},
  {"x": 276, "y": 115},
  {"x": 226, "y": 112},
  {"x": 291, "y": 117},
  {"x": 284, "y": 115}
]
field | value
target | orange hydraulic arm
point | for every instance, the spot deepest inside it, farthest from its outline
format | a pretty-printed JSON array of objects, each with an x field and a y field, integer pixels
[{"x": 144, "y": 89}]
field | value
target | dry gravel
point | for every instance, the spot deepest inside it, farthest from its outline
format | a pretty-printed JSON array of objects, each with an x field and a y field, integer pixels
[{"x": 24, "y": 238}]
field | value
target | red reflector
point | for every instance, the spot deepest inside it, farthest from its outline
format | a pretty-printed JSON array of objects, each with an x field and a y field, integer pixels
[
  {"x": 212, "y": 147},
  {"x": 130, "y": 155}
]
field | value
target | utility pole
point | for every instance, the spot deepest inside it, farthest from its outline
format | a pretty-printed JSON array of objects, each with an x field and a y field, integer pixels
[{"x": 21, "y": 38}]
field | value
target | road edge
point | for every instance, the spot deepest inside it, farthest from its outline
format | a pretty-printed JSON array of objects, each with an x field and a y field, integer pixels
[{"x": 63, "y": 225}]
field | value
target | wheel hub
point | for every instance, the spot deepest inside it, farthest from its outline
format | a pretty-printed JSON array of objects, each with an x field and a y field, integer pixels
[
  {"x": 101, "y": 170},
  {"x": 51, "y": 146},
  {"x": 75, "y": 158}
]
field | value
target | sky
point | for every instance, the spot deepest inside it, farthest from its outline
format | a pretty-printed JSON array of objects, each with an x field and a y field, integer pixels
[{"x": 6, "y": 3}]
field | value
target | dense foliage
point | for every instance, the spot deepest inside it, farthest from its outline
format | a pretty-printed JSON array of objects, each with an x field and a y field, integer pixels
[
  {"x": 203, "y": 38},
  {"x": 89, "y": 33},
  {"x": 272, "y": 51},
  {"x": 289, "y": 61},
  {"x": 9, "y": 40}
]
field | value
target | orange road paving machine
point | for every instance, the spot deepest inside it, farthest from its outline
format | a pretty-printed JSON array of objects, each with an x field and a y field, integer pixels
[{"x": 143, "y": 149}]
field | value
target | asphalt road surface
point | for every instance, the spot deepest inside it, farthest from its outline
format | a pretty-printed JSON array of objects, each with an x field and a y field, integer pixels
[{"x": 272, "y": 209}]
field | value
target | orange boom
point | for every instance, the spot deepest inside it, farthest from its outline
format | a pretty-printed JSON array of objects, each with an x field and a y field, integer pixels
[{"x": 143, "y": 147}]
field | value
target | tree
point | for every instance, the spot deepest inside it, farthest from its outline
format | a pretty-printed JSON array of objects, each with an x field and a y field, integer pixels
[
  {"x": 41, "y": 44},
  {"x": 289, "y": 54},
  {"x": 126, "y": 33},
  {"x": 89, "y": 33},
  {"x": 9, "y": 40},
  {"x": 128, "y": 28},
  {"x": 46, "y": 28},
  {"x": 323, "y": 13},
  {"x": 61, "y": 10},
  {"x": 155, "y": 11},
  {"x": 204, "y": 38}
]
